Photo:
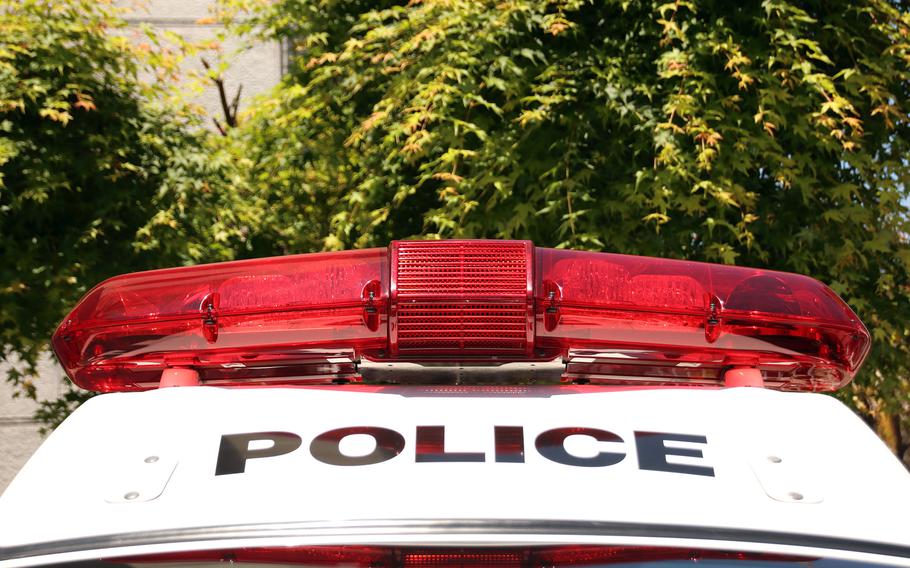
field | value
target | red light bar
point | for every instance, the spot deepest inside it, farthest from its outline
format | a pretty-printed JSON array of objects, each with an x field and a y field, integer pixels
[
  {"x": 263, "y": 320},
  {"x": 670, "y": 321},
  {"x": 609, "y": 318}
]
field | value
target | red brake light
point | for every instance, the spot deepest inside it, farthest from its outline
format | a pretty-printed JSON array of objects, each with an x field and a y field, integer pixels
[
  {"x": 607, "y": 317},
  {"x": 408, "y": 557}
]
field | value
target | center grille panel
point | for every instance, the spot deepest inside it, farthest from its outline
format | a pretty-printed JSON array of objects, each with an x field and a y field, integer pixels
[{"x": 461, "y": 296}]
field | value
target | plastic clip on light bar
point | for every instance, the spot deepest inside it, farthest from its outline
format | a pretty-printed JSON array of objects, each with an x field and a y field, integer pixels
[{"x": 607, "y": 318}]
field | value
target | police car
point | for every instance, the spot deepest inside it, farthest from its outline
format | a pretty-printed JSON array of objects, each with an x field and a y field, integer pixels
[{"x": 460, "y": 404}]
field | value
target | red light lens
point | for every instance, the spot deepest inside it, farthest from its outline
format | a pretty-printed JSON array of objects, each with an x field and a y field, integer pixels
[
  {"x": 669, "y": 321},
  {"x": 611, "y": 318},
  {"x": 303, "y": 316},
  {"x": 468, "y": 298}
]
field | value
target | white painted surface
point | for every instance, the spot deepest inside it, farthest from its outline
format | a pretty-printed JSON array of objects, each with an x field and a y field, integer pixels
[{"x": 853, "y": 487}]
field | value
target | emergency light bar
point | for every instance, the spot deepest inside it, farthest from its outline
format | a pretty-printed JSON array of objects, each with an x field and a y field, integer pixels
[{"x": 605, "y": 318}]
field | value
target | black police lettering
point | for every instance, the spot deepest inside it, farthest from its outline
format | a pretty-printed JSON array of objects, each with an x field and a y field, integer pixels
[
  {"x": 235, "y": 449},
  {"x": 653, "y": 452},
  {"x": 430, "y": 447},
  {"x": 389, "y": 444},
  {"x": 551, "y": 445},
  {"x": 431, "y": 444},
  {"x": 510, "y": 444}
]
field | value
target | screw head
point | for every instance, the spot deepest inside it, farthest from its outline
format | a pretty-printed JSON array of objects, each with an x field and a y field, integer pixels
[
  {"x": 131, "y": 495},
  {"x": 796, "y": 496},
  {"x": 774, "y": 459},
  {"x": 151, "y": 459}
]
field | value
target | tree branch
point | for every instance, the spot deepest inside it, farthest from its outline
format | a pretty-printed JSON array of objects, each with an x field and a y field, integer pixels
[{"x": 228, "y": 109}]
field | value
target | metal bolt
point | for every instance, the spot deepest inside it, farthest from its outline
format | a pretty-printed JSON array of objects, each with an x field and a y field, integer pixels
[
  {"x": 151, "y": 459},
  {"x": 774, "y": 459},
  {"x": 796, "y": 496},
  {"x": 131, "y": 495}
]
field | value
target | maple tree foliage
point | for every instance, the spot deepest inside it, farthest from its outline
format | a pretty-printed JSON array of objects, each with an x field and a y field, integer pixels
[{"x": 769, "y": 134}]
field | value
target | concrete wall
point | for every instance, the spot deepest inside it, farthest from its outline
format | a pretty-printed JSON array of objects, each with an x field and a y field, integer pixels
[
  {"x": 19, "y": 433},
  {"x": 257, "y": 69}
]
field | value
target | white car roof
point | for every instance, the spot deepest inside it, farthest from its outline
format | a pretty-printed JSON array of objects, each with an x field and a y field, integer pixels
[{"x": 742, "y": 468}]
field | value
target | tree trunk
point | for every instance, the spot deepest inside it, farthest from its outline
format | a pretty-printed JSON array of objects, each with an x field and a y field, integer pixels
[{"x": 888, "y": 428}]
